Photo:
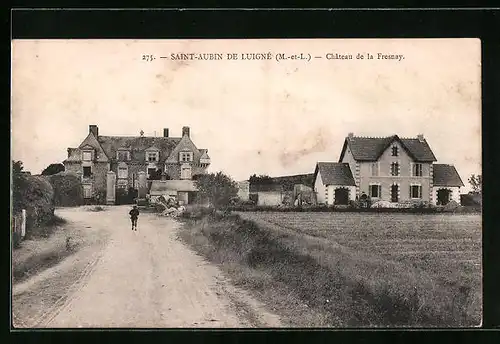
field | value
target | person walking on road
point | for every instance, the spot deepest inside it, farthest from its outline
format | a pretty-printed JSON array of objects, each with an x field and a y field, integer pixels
[{"x": 134, "y": 214}]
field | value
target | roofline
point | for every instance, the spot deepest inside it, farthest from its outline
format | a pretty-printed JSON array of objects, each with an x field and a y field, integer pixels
[
  {"x": 137, "y": 137},
  {"x": 448, "y": 185},
  {"x": 97, "y": 139},
  {"x": 316, "y": 171},
  {"x": 394, "y": 137},
  {"x": 342, "y": 152}
]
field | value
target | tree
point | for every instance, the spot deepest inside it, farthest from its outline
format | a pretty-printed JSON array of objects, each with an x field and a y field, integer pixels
[
  {"x": 217, "y": 188},
  {"x": 17, "y": 167},
  {"x": 53, "y": 169},
  {"x": 475, "y": 182}
]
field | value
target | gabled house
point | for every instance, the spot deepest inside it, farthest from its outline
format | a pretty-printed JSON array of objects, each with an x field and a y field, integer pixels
[
  {"x": 391, "y": 169},
  {"x": 334, "y": 183},
  {"x": 108, "y": 163}
]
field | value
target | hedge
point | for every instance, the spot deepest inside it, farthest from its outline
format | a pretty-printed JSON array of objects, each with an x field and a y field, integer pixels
[
  {"x": 68, "y": 190},
  {"x": 36, "y": 195}
]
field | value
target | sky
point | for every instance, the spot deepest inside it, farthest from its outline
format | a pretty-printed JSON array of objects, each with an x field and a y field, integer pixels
[{"x": 254, "y": 116}]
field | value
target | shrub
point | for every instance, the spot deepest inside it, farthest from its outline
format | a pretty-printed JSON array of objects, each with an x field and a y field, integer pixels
[
  {"x": 197, "y": 212},
  {"x": 36, "y": 195},
  {"x": 216, "y": 188},
  {"x": 68, "y": 189}
]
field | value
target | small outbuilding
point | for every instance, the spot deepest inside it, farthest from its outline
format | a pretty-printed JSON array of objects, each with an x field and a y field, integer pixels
[
  {"x": 334, "y": 183},
  {"x": 446, "y": 184}
]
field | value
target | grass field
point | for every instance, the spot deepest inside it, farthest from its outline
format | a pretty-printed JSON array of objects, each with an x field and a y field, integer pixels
[
  {"x": 351, "y": 269},
  {"x": 445, "y": 244},
  {"x": 447, "y": 247}
]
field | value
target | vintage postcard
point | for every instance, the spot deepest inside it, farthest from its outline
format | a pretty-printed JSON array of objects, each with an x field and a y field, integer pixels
[{"x": 270, "y": 183}]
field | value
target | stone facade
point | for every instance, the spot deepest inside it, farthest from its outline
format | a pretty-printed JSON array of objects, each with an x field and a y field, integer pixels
[
  {"x": 395, "y": 170},
  {"x": 132, "y": 159}
]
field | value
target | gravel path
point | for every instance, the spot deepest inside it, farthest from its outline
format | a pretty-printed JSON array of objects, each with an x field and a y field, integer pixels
[{"x": 150, "y": 279}]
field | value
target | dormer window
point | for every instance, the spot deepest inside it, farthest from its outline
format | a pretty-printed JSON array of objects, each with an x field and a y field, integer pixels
[
  {"x": 87, "y": 156},
  {"x": 395, "y": 151},
  {"x": 123, "y": 155},
  {"x": 186, "y": 156},
  {"x": 152, "y": 156}
]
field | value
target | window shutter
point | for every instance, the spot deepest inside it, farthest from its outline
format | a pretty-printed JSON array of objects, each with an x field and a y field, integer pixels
[{"x": 410, "y": 193}]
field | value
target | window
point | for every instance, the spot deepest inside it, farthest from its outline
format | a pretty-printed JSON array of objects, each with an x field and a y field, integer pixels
[
  {"x": 375, "y": 191},
  {"x": 416, "y": 191},
  {"x": 151, "y": 172},
  {"x": 122, "y": 184},
  {"x": 87, "y": 156},
  {"x": 395, "y": 169},
  {"x": 122, "y": 172},
  {"x": 123, "y": 155},
  {"x": 87, "y": 191},
  {"x": 417, "y": 170},
  {"x": 375, "y": 169},
  {"x": 186, "y": 172},
  {"x": 186, "y": 156},
  {"x": 395, "y": 151},
  {"x": 152, "y": 156},
  {"x": 87, "y": 171}
]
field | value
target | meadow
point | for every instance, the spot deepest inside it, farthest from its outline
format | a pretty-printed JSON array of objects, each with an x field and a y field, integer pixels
[
  {"x": 447, "y": 245},
  {"x": 351, "y": 269}
]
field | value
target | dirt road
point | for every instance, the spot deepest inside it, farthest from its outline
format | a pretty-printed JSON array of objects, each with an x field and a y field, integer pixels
[{"x": 149, "y": 279}]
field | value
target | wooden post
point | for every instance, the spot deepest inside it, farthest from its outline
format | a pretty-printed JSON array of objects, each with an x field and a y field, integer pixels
[{"x": 23, "y": 223}]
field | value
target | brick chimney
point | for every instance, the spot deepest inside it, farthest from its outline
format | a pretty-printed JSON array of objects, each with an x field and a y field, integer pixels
[
  {"x": 350, "y": 135},
  {"x": 185, "y": 131},
  {"x": 420, "y": 137},
  {"x": 94, "y": 129},
  {"x": 165, "y": 132}
]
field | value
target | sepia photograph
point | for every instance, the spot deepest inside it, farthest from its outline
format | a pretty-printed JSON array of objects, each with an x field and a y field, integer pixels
[{"x": 246, "y": 183}]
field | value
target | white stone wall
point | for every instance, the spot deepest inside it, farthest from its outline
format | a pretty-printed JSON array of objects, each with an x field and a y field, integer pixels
[
  {"x": 244, "y": 190},
  {"x": 455, "y": 193},
  {"x": 269, "y": 198},
  {"x": 320, "y": 189}
]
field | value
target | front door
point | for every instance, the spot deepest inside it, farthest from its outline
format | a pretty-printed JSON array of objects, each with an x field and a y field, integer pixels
[
  {"x": 394, "y": 193},
  {"x": 443, "y": 196},
  {"x": 341, "y": 196}
]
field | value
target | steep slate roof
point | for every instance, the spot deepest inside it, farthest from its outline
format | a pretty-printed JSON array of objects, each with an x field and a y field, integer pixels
[
  {"x": 446, "y": 175},
  {"x": 283, "y": 183},
  {"x": 306, "y": 179},
  {"x": 371, "y": 148},
  {"x": 266, "y": 188},
  {"x": 335, "y": 173},
  {"x": 138, "y": 145},
  {"x": 204, "y": 153}
]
